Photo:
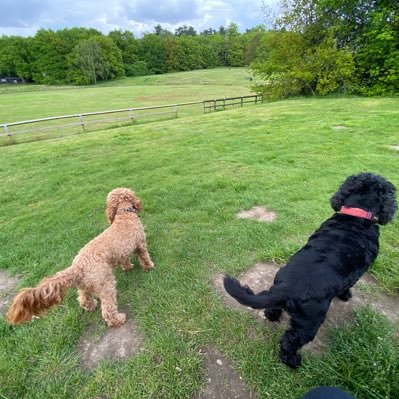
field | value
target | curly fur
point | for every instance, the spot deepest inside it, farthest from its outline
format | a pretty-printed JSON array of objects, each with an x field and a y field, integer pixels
[
  {"x": 92, "y": 269},
  {"x": 331, "y": 262}
]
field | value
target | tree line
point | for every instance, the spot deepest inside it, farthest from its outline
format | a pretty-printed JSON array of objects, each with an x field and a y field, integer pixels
[
  {"x": 86, "y": 56},
  {"x": 314, "y": 47},
  {"x": 330, "y": 46}
]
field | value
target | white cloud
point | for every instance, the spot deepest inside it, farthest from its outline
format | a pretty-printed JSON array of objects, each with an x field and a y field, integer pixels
[{"x": 25, "y": 17}]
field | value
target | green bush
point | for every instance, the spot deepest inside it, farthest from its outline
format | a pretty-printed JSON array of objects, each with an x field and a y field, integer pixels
[
  {"x": 138, "y": 68},
  {"x": 290, "y": 66}
]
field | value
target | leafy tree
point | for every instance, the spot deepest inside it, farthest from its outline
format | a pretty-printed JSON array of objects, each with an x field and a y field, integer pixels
[
  {"x": 185, "y": 31},
  {"x": 217, "y": 46},
  {"x": 232, "y": 30},
  {"x": 208, "y": 32},
  {"x": 89, "y": 60},
  {"x": 185, "y": 53},
  {"x": 251, "y": 42},
  {"x": 50, "y": 51},
  {"x": 152, "y": 50},
  {"x": 235, "y": 52},
  {"x": 333, "y": 69},
  {"x": 129, "y": 47},
  {"x": 208, "y": 50},
  {"x": 112, "y": 56},
  {"x": 83, "y": 56},
  {"x": 234, "y": 46},
  {"x": 49, "y": 58},
  {"x": 298, "y": 14},
  {"x": 15, "y": 56},
  {"x": 291, "y": 66},
  {"x": 192, "y": 53},
  {"x": 159, "y": 31},
  {"x": 95, "y": 59},
  {"x": 222, "y": 30},
  {"x": 377, "y": 57},
  {"x": 139, "y": 68},
  {"x": 174, "y": 54},
  {"x": 369, "y": 29}
]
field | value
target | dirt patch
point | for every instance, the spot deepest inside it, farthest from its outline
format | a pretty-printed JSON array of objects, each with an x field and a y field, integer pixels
[
  {"x": 388, "y": 305},
  {"x": 221, "y": 381},
  {"x": 7, "y": 290},
  {"x": 261, "y": 277},
  {"x": 259, "y": 213},
  {"x": 339, "y": 127},
  {"x": 117, "y": 344}
]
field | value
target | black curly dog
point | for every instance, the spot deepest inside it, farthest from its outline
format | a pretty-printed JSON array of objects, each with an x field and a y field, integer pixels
[{"x": 331, "y": 262}]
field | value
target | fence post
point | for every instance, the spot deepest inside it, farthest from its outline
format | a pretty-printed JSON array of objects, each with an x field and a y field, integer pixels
[
  {"x": 224, "y": 104},
  {"x": 175, "y": 110},
  {"x": 10, "y": 139},
  {"x": 214, "y": 104},
  {"x": 131, "y": 116},
  {"x": 203, "y": 106},
  {"x": 242, "y": 101},
  {"x": 82, "y": 122},
  {"x": 256, "y": 99}
]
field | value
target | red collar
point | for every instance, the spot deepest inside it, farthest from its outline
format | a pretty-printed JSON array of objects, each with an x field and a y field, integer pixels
[{"x": 360, "y": 213}]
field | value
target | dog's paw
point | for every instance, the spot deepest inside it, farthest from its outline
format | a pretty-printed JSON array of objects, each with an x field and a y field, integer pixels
[
  {"x": 291, "y": 360},
  {"x": 345, "y": 296},
  {"x": 149, "y": 266},
  {"x": 90, "y": 306},
  {"x": 117, "y": 320},
  {"x": 127, "y": 266},
  {"x": 273, "y": 314}
]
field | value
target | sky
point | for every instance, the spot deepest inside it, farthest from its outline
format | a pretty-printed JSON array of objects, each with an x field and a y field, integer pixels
[{"x": 25, "y": 17}]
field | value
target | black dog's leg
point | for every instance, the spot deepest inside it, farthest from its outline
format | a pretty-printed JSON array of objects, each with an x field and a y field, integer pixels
[
  {"x": 305, "y": 323},
  {"x": 289, "y": 344},
  {"x": 345, "y": 295},
  {"x": 273, "y": 314}
]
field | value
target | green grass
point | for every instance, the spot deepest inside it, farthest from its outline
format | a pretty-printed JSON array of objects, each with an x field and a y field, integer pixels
[
  {"x": 26, "y": 102},
  {"x": 193, "y": 174}
]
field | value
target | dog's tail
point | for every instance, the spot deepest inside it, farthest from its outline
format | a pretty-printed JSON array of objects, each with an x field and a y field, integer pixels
[
  {"x": 244, "y": 295},
  {"x": 31, "y": 302}
]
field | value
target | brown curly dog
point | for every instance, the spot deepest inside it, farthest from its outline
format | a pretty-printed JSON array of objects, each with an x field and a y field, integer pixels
[{"x": 91, "y": 271}]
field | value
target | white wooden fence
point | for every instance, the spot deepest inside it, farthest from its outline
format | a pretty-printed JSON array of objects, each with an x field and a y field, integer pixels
[{"x": 85, "y": 121}]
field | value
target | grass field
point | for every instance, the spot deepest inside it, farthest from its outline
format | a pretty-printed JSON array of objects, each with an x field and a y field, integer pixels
[
  {"x": 193, "y": 175},
  {"x": 25, "y": 102}
]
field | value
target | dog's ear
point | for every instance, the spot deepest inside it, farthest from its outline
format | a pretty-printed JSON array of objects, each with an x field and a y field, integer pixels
[
  {"x": 389, "y": 206},
  {"x": 137, "y": 204},
  {"x": 112, "y": 206},
  {"x": 110, "y": 213},
  {"x": 336, "y": 201},
  {"x": 352, "y": 184}
]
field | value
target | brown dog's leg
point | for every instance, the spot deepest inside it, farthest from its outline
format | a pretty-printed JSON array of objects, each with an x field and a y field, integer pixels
[
  {"x": 127, "y": 265},
  {"x": 144, "y": 257},
  {"x": 109, "y": 308},
  {"x": 86, "y": 301}
]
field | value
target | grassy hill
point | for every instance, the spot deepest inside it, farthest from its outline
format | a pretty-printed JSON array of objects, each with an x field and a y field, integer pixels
[
  {"x": 25, "y": 102},
  {"x": 193, "y": 174}
]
